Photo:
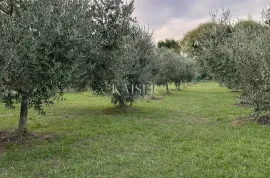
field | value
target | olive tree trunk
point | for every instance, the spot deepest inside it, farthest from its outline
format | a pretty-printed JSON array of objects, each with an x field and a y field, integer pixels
[
  {"x": 122, "y": 104},
  {"x": 153, "y": 91},
  {"x": 178, "y": 85},
  {"x": 23, "y": 115},
  {"x": 167, "y": 88}
]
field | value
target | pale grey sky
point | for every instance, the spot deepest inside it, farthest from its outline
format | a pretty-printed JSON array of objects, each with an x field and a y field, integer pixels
[{"x": 173, "y": 18}]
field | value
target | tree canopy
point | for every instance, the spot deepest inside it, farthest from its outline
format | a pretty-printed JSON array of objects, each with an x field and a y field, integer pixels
[
  {"x": 239, "y": 59},
  {"x": 192, "y": 39}
]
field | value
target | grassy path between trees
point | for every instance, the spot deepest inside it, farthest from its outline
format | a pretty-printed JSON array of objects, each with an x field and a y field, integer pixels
[{"x": 191, "y": 133}]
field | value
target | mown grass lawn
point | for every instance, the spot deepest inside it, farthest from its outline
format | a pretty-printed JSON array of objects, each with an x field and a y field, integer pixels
[{"x": 190, "y": 133}]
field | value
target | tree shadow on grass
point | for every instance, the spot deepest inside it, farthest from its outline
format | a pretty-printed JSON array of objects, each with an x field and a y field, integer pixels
[
  {"x": 166, "y": 94},
  {"x": 177, "y": 90},
  {"x": 70, "y": 112},
  {"x": 245, "y": 105},
  {"x": 235, "y": 91},
  {"x": 119, "y": 110}
]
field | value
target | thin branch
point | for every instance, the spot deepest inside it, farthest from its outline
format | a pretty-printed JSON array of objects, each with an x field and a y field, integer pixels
[
  {"x": 11, "y": 7},
  {"x": 4, "y": 10}
]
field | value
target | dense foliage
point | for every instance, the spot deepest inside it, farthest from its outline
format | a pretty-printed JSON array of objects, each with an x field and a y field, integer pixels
[
  {"x": 238, "y": 57},
  {"x": 192, "y": 39},
  {"x": 111, "y": 23},
  {"x": 38, "y": 47},
  {"x": 132, "y": 69}
]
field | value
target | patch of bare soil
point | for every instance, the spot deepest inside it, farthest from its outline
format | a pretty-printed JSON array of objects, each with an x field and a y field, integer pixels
[
  {"x": 3, "y": 136},
  {"x": 26, "y": 137},
  {"x": 239, "y": 122},
  {"x": 263, "y": 120}
]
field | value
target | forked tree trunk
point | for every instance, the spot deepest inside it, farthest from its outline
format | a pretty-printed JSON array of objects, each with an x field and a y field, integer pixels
[
  {"x": 167, "y": 88},
  {"x": 23, "y": 115}
]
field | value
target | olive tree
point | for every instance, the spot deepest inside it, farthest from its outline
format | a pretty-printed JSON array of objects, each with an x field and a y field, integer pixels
[
  {"x": 166, "y": 59},
  {"x": 214, "y": 57},
  {"x": 111, "y": 20},
  {"x": 119, "y": 64},
  {"x": 184, "y": 70},
  {"x": 252, "y": 62},
  {"x": 190, "y": 69},
  {"x": 38, "y": 46},
  {"x": 172, "y": 67},
  {"x": 132, "y": 69}
]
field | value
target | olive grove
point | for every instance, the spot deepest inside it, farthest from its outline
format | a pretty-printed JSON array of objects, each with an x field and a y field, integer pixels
[{"x": 48, "y": 46}]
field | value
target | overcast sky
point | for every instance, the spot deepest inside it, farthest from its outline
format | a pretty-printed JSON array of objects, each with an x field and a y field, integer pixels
[{"x": 173, "y": 18}]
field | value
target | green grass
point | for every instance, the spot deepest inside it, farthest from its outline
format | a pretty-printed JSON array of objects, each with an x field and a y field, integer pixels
[{"x": 187, "y": 134}]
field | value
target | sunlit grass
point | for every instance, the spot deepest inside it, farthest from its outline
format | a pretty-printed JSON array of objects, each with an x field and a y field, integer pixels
[{"x": 187, "y": 134}]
